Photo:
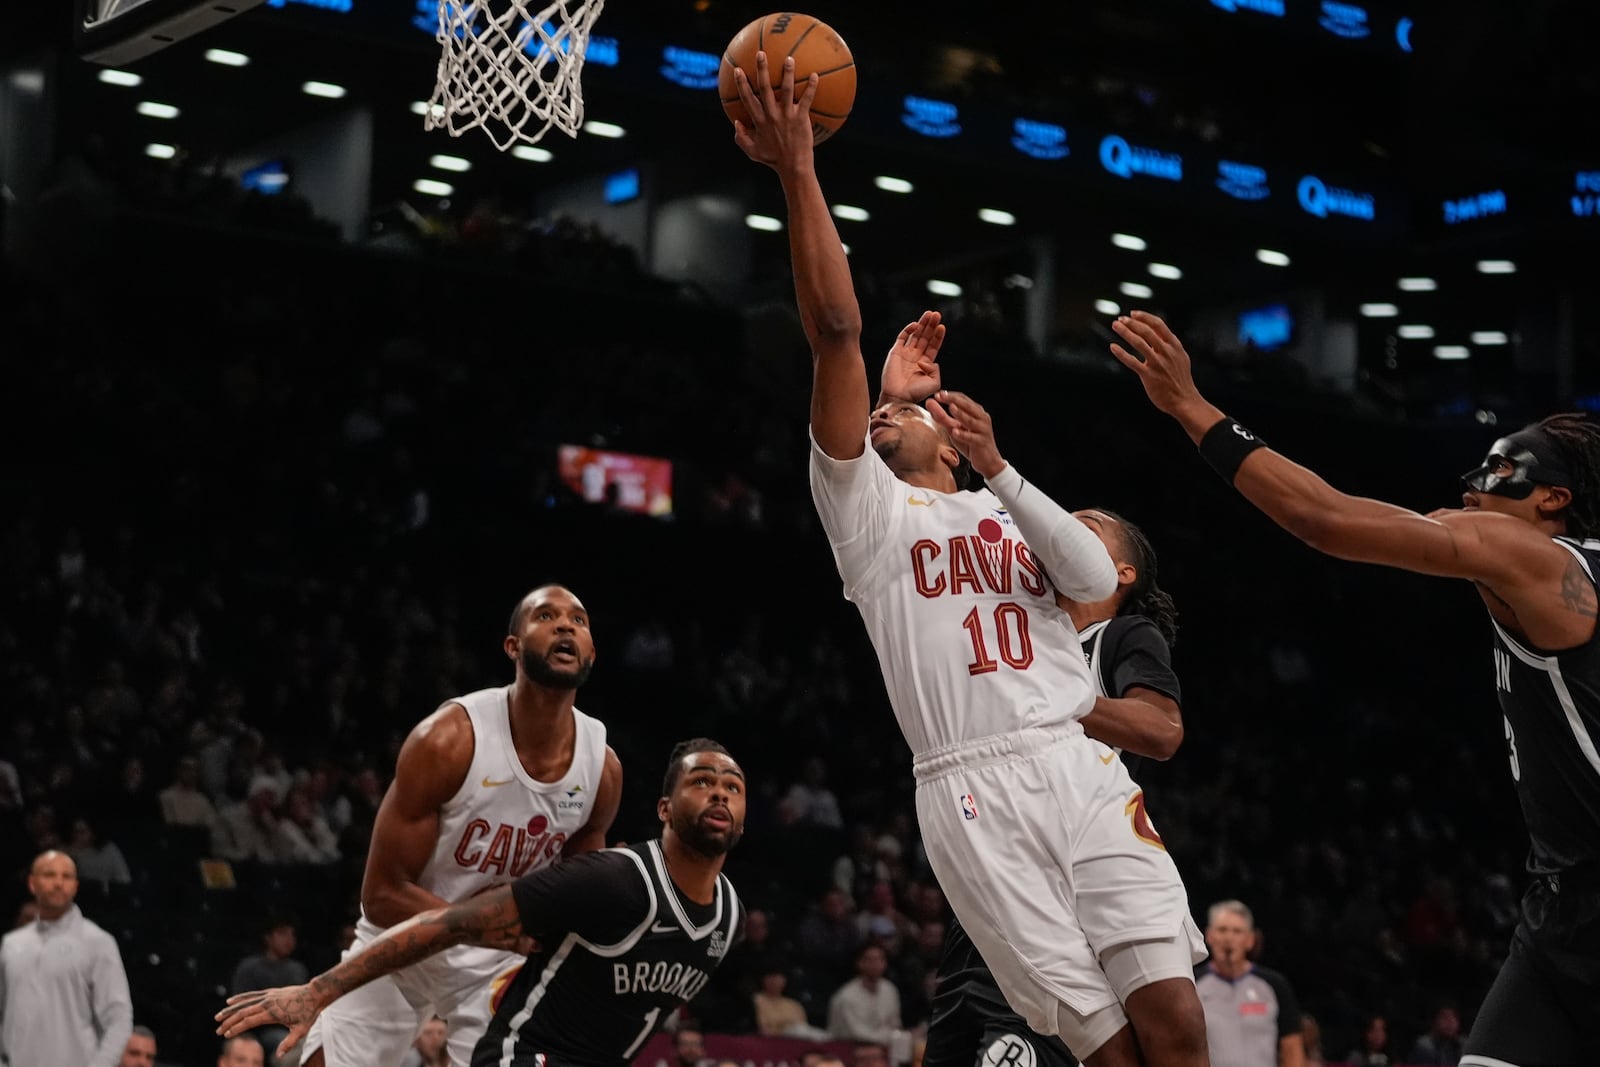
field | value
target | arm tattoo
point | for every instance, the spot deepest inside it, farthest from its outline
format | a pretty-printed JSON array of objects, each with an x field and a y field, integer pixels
[
  {"x": 1577, "y": 591},
  {"x": 489, "y": 919}
]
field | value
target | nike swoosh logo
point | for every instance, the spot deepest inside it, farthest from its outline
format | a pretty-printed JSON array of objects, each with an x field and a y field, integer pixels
[
  {"x": 488, "y": 783},
  {"x": 919, "y": 503},
  {"x": 1107, "y": 758},
  {"x": 660, "y": 929}
]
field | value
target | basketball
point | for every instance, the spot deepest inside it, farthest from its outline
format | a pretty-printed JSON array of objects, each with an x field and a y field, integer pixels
[{"x": 816, "y": 49}]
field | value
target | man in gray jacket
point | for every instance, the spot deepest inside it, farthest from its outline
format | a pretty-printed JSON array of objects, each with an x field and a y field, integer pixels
[{"x": 63, "y": 992}]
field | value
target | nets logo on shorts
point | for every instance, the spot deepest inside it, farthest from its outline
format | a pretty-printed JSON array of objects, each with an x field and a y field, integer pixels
[
  {"x": 1008, "y": 1050},
  {"x": 969, "y": 807}
]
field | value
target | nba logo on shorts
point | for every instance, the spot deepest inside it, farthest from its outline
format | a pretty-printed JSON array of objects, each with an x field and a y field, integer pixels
[{"x": 969, "y": 807}]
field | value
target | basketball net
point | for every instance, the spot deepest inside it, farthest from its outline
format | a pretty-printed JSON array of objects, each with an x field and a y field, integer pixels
[{"x": 510, "y": 68}]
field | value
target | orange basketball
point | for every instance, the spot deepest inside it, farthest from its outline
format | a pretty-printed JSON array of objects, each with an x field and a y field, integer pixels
[{"x": 815, "y": 48}]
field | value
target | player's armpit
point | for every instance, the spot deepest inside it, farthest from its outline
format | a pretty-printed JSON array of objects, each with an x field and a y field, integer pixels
[
  {"x": 1142, "y": 721},
  {"x": 607, "y": 799},
  {"x": 431, "y": 767}
]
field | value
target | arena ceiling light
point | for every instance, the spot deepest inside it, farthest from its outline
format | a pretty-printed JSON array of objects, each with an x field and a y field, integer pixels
[
  {"x": 125, "y": 78},
  {"x": 1379, "y": 310},
  {"x": 160, "y": 151},
  {"x": 326, "y": 90},
  {"x": 1417, "y": 285},
  {"x": 433, "y": 187},
  {"x": 850, "y": 213},
  {"x": 1165, "y": 270},
  {"x": 1451, "y": 352},
  {"x": 1416, "y": 333},
  {"x": 1272, "y": 257},
  {"x": 1108, "y": 307},
  {"x": 1129, "y": 241},
  {"x": 609, "y": 130},
  {"x": 227, "y": 58},
  {"x": 451, "y": 163},
  {"x": 892, "y": 185},
  {"x": 940, "y": 287},
  {"x": 845, "y": 247},
  {"x": 1137, "y": 290},
  {"x": 151, "y": 109},
  {"x": 997, "y": 217},
  {"x": 1496, "y": 266},
  {"x": 533, "y": 153},
  {"x": 764, "y": 223},
  {"x": 1490, "y": 337},
  {"x": 422, "y": 107}
]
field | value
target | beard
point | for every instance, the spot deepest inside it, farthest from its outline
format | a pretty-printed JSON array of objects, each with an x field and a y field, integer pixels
[
  {"x": 702, "y": 838},
  {"x": 540, "y": 670}
]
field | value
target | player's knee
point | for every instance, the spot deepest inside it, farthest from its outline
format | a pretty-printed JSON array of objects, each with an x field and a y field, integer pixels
[{"x": 1155, "y": 982}]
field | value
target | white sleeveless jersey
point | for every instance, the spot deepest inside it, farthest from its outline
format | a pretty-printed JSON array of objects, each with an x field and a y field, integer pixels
[
  {"x": 501, "y": 823},
  {"x": 964, "y": 621}
]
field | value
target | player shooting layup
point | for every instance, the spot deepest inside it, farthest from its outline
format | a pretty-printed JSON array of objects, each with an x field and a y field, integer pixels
[{"x": 1041, "y": 845}]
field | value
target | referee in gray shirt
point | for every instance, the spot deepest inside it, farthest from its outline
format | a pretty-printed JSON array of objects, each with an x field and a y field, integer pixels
[
  {"x": 1252, "y": 1018},
  {"x": 63, "y": 993}
]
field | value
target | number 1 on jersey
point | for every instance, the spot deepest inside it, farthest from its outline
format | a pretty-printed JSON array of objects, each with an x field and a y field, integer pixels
[
  {"x": 650, "y": 1018},
  {"x": 1011, "y": 629}
]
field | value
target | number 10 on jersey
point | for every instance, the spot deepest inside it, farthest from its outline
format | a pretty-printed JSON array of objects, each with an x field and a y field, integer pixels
[{"x": 1010, "y": 626}]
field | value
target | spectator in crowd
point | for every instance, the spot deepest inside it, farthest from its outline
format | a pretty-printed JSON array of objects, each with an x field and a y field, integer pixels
[
  {"x": 827, "y": 941},
  {"x": 182, "y": 802},
  {"x": 882, "y": 922},
  {"x": 63, "y": 992},
  {"x": 1252, "y": 1017},
  {"x": 1374, "y": 1048},
  {"x": 1441, "y": 1046},
  {"x": 810, "y": 802},
  {"x": 777, "y": 1014},
  {"x": 241, "y": 1051},
  {"x": 98, "y": 861},
  {"x": 247, "y": 829},
  {"x": 689, "y": 1047},
  {"x": 303, "y": 835},
  {"x": 270, "y": 968},
  {"x": 140, "y": 1051},
  {"x": 858, "y": 870},
  {"x": 429, "y": 1049},
  {"x": 1311, "y": 1037},
  {"x": 866, "y": 1008}
]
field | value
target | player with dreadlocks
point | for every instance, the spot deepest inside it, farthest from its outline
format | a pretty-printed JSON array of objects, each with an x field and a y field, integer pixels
[{"x": 1524, "y": 538}]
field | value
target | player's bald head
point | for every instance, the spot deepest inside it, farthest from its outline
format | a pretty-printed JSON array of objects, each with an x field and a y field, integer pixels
[{"x": 534, "y": 598}]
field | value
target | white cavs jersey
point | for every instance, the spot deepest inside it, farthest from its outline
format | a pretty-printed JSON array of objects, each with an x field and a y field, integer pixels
[
  {"x": 964, "y": 621},
  {"x": 502, "y": 823}
]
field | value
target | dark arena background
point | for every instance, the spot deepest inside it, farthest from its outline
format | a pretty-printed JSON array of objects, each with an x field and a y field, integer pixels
[{"x": 300, "y": 399}]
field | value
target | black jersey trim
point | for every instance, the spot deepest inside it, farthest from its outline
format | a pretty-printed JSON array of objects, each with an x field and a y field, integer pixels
[
  {"x": 695, "y": 933},
  {"x": 1551, "y": 666}
]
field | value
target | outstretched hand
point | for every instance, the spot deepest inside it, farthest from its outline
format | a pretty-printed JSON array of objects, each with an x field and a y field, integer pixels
[
  {"x": 910, "y": 371},
  {"x": 970, "y": 428},
  {"x": 1159, "y": 360},
  {"x": 293, "y": 1006},
  {"x": 778, "y": 132}
]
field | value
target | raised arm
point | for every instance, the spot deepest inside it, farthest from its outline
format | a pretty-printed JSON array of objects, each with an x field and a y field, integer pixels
[
  {"x": 1517, "y": 563},
  {"x": 490, "y": 919},
  {"x": 779, "y": 135},
  {"x": 607, "y": 798},
  {"x": 432, "y": 764},
  {"x": 1075, "y": 560}
]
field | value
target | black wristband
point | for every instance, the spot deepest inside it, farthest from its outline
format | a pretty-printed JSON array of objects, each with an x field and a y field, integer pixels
[{"x": 1225, "y": 445}]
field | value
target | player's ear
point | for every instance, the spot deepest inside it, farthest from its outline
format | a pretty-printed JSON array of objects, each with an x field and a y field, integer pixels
[
  {"x": 510, "y": 644},
  {"x": 664, "y": 810},
  {"x": 1552, "y": 499},
  {"x": 1127, "y": 574}
]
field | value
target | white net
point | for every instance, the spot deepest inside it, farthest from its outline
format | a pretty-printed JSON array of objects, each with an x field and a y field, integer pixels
[{"x": 511, "y": 68}]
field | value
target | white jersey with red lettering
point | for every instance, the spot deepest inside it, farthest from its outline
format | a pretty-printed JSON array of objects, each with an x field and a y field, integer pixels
[
  {"x": 988, "y": 680},
  {"x": 964, "y": 621},
  {"x": 501, "y": 824}
]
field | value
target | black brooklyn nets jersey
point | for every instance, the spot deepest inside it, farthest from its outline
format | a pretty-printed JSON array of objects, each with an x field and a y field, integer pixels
[
  {"x": 1551, "y": 706},
  {"x": 1129, "y": 652},
  {"x": 620, "y": 949}
]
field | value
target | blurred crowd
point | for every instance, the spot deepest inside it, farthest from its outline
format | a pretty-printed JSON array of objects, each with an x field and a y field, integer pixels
[{"x": 278, "y": 506}]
